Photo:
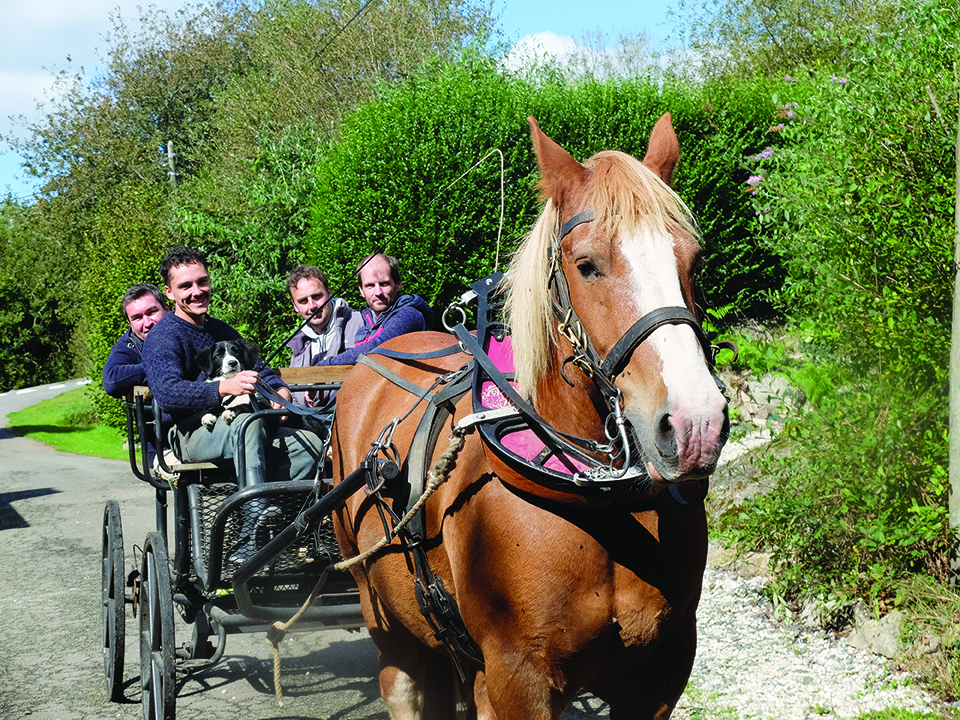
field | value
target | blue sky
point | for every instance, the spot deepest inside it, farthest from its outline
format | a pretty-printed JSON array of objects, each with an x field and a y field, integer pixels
[{"x": 39, "y": 35}]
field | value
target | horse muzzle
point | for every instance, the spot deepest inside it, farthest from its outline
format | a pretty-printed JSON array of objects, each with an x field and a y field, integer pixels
[{"x": 680, "y": 446}]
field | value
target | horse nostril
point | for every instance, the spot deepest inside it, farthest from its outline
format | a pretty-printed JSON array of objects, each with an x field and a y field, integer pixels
[
  {"x": 666, "y": 429},
  {"x": 666, "y": 436}
]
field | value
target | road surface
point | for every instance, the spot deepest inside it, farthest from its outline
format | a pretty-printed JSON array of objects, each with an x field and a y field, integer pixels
[{"x": 51, "y": 514}]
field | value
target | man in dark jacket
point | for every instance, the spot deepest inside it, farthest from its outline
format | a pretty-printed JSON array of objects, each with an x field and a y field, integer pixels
[
  {"x": 389, "y": 312},
  {"x": 142, "y": 307}
]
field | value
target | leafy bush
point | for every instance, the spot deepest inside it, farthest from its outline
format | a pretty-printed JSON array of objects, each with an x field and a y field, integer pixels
[
  {"x": 857, "y": 198},
  {"x": 36, "y": 316},
  {"x": 387, "y": 181},
  {"x": 33, "y": 338},
  {"x": 859, "y": 499}
]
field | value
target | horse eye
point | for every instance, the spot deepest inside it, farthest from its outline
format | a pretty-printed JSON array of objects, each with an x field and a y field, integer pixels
[{"x": 588, "y": 270}]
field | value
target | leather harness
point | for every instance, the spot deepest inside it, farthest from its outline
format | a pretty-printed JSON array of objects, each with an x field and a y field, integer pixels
[{"x": 501, "y": 415}]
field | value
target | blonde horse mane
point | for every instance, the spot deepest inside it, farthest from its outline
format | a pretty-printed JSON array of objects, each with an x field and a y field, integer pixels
[{"x": 626, "y": 197}]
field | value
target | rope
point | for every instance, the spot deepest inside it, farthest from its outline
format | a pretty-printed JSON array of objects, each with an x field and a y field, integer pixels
[
  {"x": 278, "y": 631},
  {"x": 436, "y": 477},
  {"x": 496, "y": 262}
]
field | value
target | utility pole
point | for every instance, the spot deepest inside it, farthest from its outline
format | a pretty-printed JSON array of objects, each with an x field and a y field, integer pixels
[
  {"x": 171, "y": 163},
  {"x": 954, "y": 428}
]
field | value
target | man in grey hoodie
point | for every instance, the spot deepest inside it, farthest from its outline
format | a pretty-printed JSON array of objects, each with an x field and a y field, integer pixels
[{"x": 329, "y": 332}]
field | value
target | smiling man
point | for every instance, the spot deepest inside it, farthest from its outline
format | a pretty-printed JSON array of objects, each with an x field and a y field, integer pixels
[
  {"x": 185, "y": 395},
  {"x": 332, "y": 326},
  {"x": 389, "y": 312},
  {"x": 142, "y": 306}
]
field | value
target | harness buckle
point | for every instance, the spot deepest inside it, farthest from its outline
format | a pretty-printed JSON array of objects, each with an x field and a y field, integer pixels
[
  {"x": 458, "y": 306},
  {"x": 468, "y": 422}
]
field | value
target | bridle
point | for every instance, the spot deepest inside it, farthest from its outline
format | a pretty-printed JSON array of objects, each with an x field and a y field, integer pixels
[{"x": 603, "y": 371}]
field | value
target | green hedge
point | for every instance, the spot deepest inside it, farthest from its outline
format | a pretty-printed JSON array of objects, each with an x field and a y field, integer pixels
[
  {"x": 398, "y": 177},
  {"x": 384, "y": 184}
]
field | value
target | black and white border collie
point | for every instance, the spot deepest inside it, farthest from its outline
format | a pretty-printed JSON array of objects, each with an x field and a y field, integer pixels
[{"x": 222, "y": 360}]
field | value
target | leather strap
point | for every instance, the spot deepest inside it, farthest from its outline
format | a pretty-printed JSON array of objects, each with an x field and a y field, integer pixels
[
  {"x": 397, "y": 355},
  {"x": 578, "y": 219},
  {"x": 393, "y": 377},
  {"x": 491, "y": 371},
  {"x": 619, "y": 356}
]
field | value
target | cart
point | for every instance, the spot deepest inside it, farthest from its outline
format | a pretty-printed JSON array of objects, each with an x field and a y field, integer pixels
[{"x": 208, "y": 570}]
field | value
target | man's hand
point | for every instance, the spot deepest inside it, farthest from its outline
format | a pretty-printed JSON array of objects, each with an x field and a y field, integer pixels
[
  {"x": 285, "y": 394},
  {"x": 243, "y": 383}
]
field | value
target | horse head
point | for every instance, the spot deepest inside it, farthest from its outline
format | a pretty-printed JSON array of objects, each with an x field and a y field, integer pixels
[{"x": 604, "y": 283}]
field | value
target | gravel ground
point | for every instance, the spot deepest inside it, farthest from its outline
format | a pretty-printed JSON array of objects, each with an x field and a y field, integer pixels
[
  {"x": 751, "y": 666},
  {"x": 748, "y": 665}
]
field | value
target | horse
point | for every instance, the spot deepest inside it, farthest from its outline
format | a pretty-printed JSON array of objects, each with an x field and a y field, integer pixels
[{"x": 559, "y": 591}]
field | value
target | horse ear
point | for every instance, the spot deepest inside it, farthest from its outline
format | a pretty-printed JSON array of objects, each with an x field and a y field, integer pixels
[
  {"x": 663, "y": 150},
  {"x": 558, "y": 170}
]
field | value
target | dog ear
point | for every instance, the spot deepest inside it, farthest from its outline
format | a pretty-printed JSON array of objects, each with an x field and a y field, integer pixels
[
  {"x": 203, "y": 359},
  {"x": 251, "y": 353}
]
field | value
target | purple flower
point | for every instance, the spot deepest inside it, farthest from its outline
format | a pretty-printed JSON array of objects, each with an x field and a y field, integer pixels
[
  {"x": 838, "y": 80},
  {"x": 762, "y": 155},
  {"x": 754, "y": 179},
  {"x": 788, "y": 79}
]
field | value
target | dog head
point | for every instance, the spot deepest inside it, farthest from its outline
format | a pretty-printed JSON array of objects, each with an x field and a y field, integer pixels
[{"x": 226, "y": 358}]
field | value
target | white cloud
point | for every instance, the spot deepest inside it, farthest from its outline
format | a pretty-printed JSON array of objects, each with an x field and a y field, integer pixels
[
  {"x": 575, "y": 59},
  {"x": 533, "y": 50}
]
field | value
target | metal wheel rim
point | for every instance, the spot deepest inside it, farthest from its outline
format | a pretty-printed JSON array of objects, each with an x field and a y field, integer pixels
[
  {"x": 112, "y": 601},
  {"x": 157, "y": 680}
]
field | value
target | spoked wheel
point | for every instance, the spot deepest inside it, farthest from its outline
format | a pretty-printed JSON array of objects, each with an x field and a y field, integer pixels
[
  {"x": 113, "y": 606},
  {"x": 158, "y": 687}
]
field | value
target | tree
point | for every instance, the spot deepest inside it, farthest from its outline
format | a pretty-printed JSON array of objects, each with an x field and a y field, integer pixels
[
  {"x": 775, "y": 37},
  {"x": 221, "y": 82}
]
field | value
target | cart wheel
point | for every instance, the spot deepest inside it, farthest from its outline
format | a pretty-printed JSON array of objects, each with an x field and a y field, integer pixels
[
  {"x": 113, "y": 606},
  {"x": 158, "y": 689}
]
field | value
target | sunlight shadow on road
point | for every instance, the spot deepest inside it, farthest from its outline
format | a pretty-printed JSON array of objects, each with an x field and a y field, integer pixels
[{"x": 10, "y": 518}]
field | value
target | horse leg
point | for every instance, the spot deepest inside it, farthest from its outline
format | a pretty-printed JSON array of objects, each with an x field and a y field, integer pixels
[
  {"x": 416, "y": 682},
  {"x": 523, "y": 690},
  {"x": 655, "y": 694}
]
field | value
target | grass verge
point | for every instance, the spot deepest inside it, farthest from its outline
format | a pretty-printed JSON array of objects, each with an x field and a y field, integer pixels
[{"x": 67, "y": 423}]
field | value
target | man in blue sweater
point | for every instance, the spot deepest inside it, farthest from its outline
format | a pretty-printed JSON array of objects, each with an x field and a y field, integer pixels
[
  {"x": 184, "y": 394},
  {"x": 389, "y": 313},
  {"x": 142, "y": 307}
]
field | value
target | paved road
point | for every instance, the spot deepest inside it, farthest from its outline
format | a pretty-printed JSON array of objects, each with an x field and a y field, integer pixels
[{"x": 51, "y": 514}]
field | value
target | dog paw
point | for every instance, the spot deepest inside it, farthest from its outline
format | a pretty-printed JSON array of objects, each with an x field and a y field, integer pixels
[
  {"x": 209, "y": 420},
  {"x": 228, "y": 416}
]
